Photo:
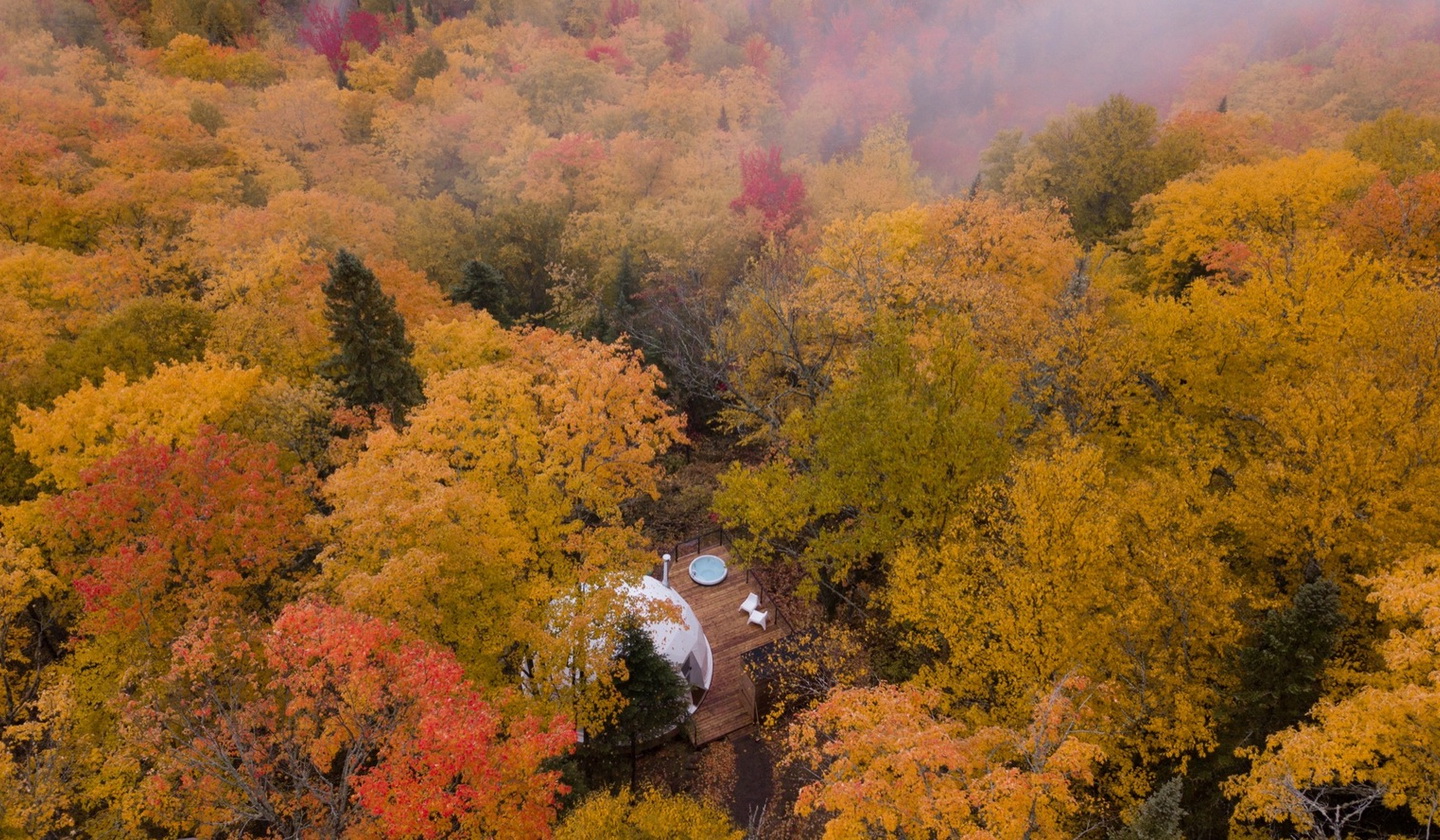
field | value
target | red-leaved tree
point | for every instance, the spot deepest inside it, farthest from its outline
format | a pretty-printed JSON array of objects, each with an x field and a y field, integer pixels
[
  {"x": 678, "y": 40},
  {"x": 765, "y": 186},
  {"x": 332, "y": 724},
  {"x": 611, "y": 55},
  {"x": 621, "y": 11},
  {"x": 364, "y": 28},
  {"x": 324, "y": 32},
  {"x": 155, "y": 536}
]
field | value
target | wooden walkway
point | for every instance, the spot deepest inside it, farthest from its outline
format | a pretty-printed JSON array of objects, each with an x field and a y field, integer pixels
[{"x": 723, "y": 710}]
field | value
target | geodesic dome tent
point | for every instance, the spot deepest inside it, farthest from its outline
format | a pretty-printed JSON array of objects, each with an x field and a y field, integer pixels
[{"x": 682, "y": 642}]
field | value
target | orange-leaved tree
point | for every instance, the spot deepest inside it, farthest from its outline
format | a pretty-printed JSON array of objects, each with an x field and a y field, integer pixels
[
  {"x": 149, "y": 540},
  {"x": 331, "y": 723},
  {"x": 1399, "y": 225},
  {"x": 886, "y": 762}
]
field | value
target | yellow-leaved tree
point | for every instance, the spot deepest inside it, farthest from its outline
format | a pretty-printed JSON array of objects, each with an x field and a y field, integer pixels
[
  {"x": 26, "y": 585},
  {"x": 1307, "y": 391},
  {"x": 494, "y": 523},
  {"x": 1000, "y": 265},
  {"x": 1212, "y": 225},
  {"x": 650, "y": 815},
  {"x": 94, "y": 422},
  {"x": 33, "y": 795},
  {"x": 1066, "y": 567},
  {"x": 800, "y": 322}
]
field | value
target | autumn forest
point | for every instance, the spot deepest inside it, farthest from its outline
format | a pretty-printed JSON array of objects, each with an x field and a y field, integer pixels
[{"x": 1069, "y": 373}]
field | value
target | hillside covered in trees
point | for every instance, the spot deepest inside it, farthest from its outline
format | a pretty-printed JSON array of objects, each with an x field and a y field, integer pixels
[{"x": 1071, "y": 373}]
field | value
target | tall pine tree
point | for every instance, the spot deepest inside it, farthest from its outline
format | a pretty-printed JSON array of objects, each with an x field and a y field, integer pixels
[
  {"x": 373, "y": 366},
  {"x": 483, "y": 287},
  {"x": 622, "y": 313},
  {"x": 656, "y": 697},
  {"x": 1280, "y": 674}
]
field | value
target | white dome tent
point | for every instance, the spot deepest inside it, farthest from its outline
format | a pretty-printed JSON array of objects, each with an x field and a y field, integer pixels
[
  {"x": 682, "y": 642},
  {"x": 668, "y": 619}
]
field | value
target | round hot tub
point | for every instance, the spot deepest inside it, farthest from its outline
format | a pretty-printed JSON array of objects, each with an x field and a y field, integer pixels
[{"x": 707, "y": 570}]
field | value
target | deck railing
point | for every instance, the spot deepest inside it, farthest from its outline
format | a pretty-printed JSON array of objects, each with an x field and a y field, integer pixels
[
  {"x": 715, "y": 538},
  {"x": 753, "y": 578},
  {"x": 710, "y": 539}
]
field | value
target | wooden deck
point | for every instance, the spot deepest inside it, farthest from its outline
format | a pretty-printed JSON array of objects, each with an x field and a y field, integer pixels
[{"x": 724, "y": 710}]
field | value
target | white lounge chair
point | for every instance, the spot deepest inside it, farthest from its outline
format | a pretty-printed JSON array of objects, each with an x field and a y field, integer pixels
[
  {"x": 750, "y": 603},
  {"x": 759, "y": 617}
]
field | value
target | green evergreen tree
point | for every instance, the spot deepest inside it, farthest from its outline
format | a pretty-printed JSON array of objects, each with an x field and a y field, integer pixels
[
  {"x": 373, "y": 366},
  {"x": 657, "y": 698},
  {"x": 1279, "y": 673},
  {"x": 483, "y": 287},
  {"x": 627, "y": 285}
]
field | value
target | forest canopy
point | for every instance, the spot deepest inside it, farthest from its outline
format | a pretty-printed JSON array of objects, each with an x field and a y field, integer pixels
[{"x": 1074, "y": 392}]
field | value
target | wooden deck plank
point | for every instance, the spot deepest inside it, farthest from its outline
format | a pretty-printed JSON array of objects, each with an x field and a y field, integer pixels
[{"x": 723, "y": 711}]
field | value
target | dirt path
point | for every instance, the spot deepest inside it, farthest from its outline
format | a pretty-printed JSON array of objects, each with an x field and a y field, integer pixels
[{"x": 754, "y": 783}]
